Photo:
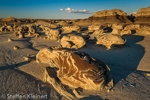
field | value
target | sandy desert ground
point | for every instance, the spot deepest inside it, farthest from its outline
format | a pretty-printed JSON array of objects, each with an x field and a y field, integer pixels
[{"x": 129, "y": 67}]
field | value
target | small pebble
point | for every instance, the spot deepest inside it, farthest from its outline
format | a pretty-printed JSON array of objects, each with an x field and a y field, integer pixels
[
  {"x": 16, "y": 48},
  {"x": 112, "y": 90},
  {"x": 108, "y": 90},
  {"x": 25, "y": 58},
  {"x": 9, "y": 40},
  {"x": 148, "y": 74},
  {"x": 28, "y": 55}
]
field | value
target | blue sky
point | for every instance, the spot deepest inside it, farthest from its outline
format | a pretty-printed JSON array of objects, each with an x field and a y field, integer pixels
[{"x": 50, "y": 9}]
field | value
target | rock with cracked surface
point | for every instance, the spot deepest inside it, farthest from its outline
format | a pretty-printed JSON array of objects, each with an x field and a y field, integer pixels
[
  {"x": 108, "y": 40},
  {"x": 53, "y": 34},
  {"x": 132, "y": 27},
  {"x": 73, "y": 68},
  {"x": 117, "y": 28},
  {"x": 98, "y": 31},
  {"x": 72, "y": 41},
  {"x": 93, "y": 28},
  {"x": 71, "y": 28}
]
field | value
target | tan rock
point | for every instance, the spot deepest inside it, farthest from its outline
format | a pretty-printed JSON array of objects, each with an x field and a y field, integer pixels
[
  {"x": 117, "y": 26},
  {"x": 109, "y": 13},
  {"x": 108, "y": 40},
  {"x": 143, "y": 12},
  {"x": 93, "y": 28},
  {"x": 9, "y": 28},
  {"x": 9, "y": 40},
  {"x": 98, "y": 31},
  {"x": 75, "y": 69},
  {"x": 16, "y": 48},
  {"x": 72, "y": 41},
  {"x": 53, "y": 34},
  {"x": 125, "y": 32},
  {"x": 21, "y": 34},
  {"x": 2, "y": 28},
  {"x": 132, "y": 27},
  {"x": 148, "y": 74},
  {"x": 9, "y": 19},
  {"x": 71, "y": 28}
]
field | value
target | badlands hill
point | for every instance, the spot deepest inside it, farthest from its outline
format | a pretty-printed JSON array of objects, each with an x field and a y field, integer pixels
[
  {"x": 143, "y": 15},
  {"x": 111, "y": 16},
  {"x": 8, "y": 19},
  {"x": 107, "y": 16}
]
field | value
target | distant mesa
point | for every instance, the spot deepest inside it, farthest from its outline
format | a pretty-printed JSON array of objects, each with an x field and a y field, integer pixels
[
  {"x": 9, "y": 19},
  {"x": 108, "y": 16},
  {"x": 143, "y": 15},
  {"x": 143, "y": 12}
]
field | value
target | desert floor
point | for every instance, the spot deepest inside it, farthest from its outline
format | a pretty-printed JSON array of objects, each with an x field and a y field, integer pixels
[{"x": 130, "y": 68}]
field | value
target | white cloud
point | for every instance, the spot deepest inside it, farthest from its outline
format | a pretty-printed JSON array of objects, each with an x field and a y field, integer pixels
[
  {"x": 69, "y": 10},
  {"x": 61, "y": 9},
  {"x": 132, "y": 13}
]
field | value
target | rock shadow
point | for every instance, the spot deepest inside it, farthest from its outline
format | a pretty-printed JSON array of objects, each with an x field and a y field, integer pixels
[
  {"x": 122, "y": 61},
  {"x": 91, "y": 97}
]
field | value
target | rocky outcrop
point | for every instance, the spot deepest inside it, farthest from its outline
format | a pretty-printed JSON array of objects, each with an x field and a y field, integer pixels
[
  {"x": 93, "y": 28},
  {"x": 143, "y": 15},
  {"x": 144, "y": 30},
  {"x": 53, "y": 34},
  {"x": 72, "y": 41},
  {"x": 117, "y": 28},
  {"x": 108, "y": 40},
  {"x": 74, "y": 69},
  {"x": 110, "y": 16},
  {"x": 145, "y": 12},
  {"x": 71, "y": 28}
]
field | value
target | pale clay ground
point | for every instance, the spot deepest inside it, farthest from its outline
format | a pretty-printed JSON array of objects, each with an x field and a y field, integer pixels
[{"x": 129, "y": 67}]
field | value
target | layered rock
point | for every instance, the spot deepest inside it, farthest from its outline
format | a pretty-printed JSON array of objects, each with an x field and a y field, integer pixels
[
  {"x": 143, "y": 15},
  {"x": 74, "y": 69},
  {"x": 71, "y": 28},
  {"x": 53, "y": 34},
  {"x": 110, "y": 16},
  {"x": 8, "y": 19},
  {"x": 108, "y": 40},
  {"x": 117, "y": 28},
  {"x": 144, "y": 30},
  {"x": 72, "y": 41},
  {"x": 93, "y": 28}
]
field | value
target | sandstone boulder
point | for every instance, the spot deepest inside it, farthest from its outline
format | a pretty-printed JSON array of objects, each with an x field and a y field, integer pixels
[
  {"x": 132, "y": 27},
  {"x": 32, "y": 31},
  {"x": 144, "y": 30},
  {"x": 71, "y": 28},
  {"x": 53, "y": 34},
  {"x": 85, "y": 36},
  {"x": 2, "y": 28},
  {"x": 10, "y": 28},
  {"x": 93, "y": 28},
  {"x": 74, "y": 69},
  {"x": 125, "y": 32},
  {"x": 117, "y": 28},
  {"x": 72, "y": 41},
  {"x": 108, "y": 40},
  {"x": 98, "y": 31}
]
